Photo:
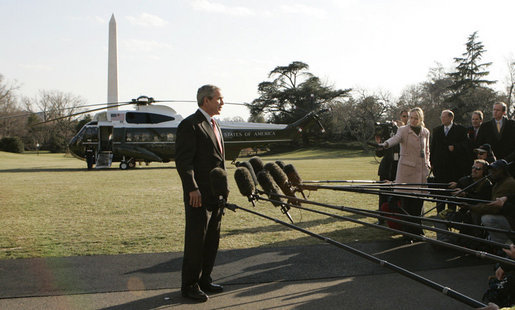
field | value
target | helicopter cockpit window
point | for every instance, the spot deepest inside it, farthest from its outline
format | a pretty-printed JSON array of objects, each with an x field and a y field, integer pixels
[
  {"x": 146, "y": 118},
  {"x": 91, "y": 134}
]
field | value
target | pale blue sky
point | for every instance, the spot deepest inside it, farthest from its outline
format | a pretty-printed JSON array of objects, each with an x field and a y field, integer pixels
[{"x": 167, "y": 49}]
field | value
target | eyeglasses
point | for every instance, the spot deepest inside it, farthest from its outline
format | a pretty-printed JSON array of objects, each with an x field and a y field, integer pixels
[{"x": 476, "y": 168}]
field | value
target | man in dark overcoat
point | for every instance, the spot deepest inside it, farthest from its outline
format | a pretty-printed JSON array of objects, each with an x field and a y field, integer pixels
[
  {"x": 449, "y": 151},
  {"x": 199, "y": 149}
]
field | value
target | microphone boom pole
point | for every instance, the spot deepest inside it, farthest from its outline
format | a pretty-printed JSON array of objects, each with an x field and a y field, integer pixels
[
  {"x": 444, "y": 290},
  {"x": 480, "y": 254}
]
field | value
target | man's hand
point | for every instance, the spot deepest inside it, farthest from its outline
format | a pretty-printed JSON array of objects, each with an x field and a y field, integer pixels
[
  {"x": 451, "y": 148},
  {"x": 499, "y": 202},
  {"x": 491, "y": 306},
  {"x": 499, "y": 273},
  {"x": 510, "y": 251},
  {"x": 458, "y": 192},
  {"x": 195, "y": 199},
  {"x": 453, "y": 184}
]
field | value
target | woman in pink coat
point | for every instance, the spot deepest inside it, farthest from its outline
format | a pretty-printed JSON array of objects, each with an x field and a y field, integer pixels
[{"x": 414, "y": 163}]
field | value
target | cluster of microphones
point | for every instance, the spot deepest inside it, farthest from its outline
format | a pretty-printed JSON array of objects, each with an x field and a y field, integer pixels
[
  {"x": 273, "y": 177},
  {"x": 280, "y": 183}
]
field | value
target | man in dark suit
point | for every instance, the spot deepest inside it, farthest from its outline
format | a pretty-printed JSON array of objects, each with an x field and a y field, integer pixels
[
  {"x": 199, "y": 149},
  {"x": 499, "y": 133},
  {"x": 449, "y": 151},
  {"x": 473, "y": 131}
]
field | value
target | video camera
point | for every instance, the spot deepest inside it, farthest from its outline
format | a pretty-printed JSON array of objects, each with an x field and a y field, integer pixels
[{"x": 385, "y": 130}]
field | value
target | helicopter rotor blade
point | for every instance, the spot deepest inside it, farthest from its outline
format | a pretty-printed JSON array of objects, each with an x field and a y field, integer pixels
[
  {"x": 105, "y": 104},
  {"x": 140, "y": 100},
  {"x": 80, "y": 113},
  {"x": 189, "y": 101}
]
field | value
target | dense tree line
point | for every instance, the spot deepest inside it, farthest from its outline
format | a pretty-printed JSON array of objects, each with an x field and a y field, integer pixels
[
  {"x": 25, "y": 118},
  {"x": 354, "y": 112},
  {"x": 290, "y": 92}
]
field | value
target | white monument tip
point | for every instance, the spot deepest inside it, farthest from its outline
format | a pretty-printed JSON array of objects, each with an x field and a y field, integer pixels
[{"x": 112, "y": 66}]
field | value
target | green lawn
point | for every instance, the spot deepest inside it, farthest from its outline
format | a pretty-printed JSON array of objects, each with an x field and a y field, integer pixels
[{"x": 52, "y": 206}]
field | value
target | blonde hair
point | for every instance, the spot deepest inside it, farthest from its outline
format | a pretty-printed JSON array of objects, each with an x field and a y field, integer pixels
[{"x": 420, "y": 115}]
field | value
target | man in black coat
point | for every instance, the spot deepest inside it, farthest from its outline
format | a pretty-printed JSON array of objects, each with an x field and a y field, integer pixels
[
  {"x": 199, "y": 149},
  {"x": 499, "y": 132},
  {"x": 473, "y": 131},
  {"x": 449, "y": 151}
]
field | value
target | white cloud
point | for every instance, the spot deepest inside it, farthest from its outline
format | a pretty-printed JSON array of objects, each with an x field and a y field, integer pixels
[
  {"x": 302, "y": 9},
  {"x": 89, "y": 19},
  {"x": 147, "y": 20},
  {"x": 145, "y": 46},
  {"x": 36, "y": 67},
  {"x": 210, "y": 6}
]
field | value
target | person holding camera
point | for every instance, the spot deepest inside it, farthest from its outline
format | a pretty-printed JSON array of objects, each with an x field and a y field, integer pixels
[{"x": 389, "y": 157}]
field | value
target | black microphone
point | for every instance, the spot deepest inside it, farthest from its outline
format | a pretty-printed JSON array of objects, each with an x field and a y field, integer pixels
[
  {"x": 247, "y": 165},
  {"x": 296, "y": 180},
  {"x": 374, "y": 144},
  {"x": 220, "y": 188},
  {"x": 257, "y": 164},
  {"x": 281, "y": 179},
  {"x": 280, "y": 163},
  {"x": 269, "y": 186},
  {"x": 292, "y": 175},
  {"x": 246, "y": 185}
]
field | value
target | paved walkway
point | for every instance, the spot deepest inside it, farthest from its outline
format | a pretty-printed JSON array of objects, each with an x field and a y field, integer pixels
[{"x": 307, "y": 277}]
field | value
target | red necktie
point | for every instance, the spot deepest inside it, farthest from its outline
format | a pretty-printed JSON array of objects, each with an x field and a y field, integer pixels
[{"x": 217, "y": 134}]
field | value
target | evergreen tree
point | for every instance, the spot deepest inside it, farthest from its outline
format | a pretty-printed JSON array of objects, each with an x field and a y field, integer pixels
[
  {"x": 469, "y": 78},
  {"x": 293, "y": 93}
]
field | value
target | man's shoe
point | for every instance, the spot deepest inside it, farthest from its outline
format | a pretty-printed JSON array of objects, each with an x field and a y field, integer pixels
[
  {"x": 211, "y": 287},
  {"x": 194, "y": 292}
]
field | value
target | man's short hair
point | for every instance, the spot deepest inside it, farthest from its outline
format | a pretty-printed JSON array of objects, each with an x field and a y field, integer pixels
[
  {"x": 478, "y": 113},
  {"x": 206, "y": 91},
  {"x": 504, "y": 106},
  {"x": 483, "y": 162},
  {"x": 403, "y": 110},
  {"x": 449, "y": 113}
]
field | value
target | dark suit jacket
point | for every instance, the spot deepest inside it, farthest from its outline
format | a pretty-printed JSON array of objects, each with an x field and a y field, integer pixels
[
  {"x": 196, "y": 154},
  {"x": 473, "y": 138},
  {"x": 503, "y": 144},
  {"x": 388, "y": 166},
  {"x": 449, "y": 166}
]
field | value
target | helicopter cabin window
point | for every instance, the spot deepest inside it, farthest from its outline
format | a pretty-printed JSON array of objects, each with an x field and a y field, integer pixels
[
  {"x": 91, "y": 134},
  {"x": 147, "y": 118},
  {"x": 149, "y": 135}
]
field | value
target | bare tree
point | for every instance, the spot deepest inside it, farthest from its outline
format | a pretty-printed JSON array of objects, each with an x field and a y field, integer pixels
[
  {"x": 360, "y": 113},
  {"x": 10, "y": 122},
  {"x": 54, "y": 105},
  {"x": 510, "y": 85}
]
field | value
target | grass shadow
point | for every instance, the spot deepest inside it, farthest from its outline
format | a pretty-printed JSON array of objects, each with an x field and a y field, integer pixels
[{"x": 35, "y": 169}]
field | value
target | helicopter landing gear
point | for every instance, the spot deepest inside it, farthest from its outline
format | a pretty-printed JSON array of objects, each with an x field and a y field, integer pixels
[{"x": 125, "y": 164}]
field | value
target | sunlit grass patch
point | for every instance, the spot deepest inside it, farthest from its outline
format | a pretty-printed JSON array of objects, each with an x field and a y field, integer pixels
[{"x": 52, "y": 206}]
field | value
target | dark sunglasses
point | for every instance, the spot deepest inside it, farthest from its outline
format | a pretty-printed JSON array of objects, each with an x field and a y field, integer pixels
[{"x": 476, "y": 168}]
